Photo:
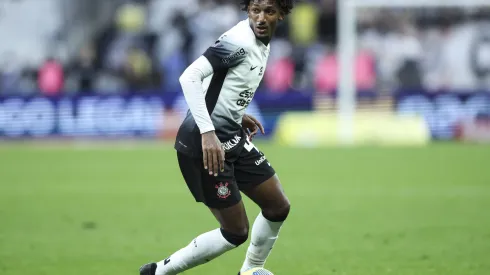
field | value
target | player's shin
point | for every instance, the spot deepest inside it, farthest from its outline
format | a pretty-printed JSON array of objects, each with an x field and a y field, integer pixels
[
  {"x": 263, "y": 237},
  {"x": 201, "y": 250}
]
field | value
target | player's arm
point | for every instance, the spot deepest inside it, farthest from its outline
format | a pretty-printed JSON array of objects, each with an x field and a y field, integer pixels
[
  {"x": 223, "y": 55},
  {"x": 191, "y": 82}
]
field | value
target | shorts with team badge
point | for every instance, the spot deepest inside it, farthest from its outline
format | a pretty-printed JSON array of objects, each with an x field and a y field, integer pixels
[{"x": 245, "y": 168}]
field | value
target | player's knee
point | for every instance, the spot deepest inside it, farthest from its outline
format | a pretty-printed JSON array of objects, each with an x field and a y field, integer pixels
[
  {"x": 236, "y": 237},
  {"x": 278, "y": 213}
]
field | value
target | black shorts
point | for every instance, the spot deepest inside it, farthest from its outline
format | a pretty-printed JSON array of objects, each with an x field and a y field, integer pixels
[{"x": 246, "y": 170}]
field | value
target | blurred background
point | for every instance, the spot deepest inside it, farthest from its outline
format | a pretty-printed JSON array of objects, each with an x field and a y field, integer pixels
[
  {"x": 90, "y": 104},
  {"x": 70, "y": 68}
]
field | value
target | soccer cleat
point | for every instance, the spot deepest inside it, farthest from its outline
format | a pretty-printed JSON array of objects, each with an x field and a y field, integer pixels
[{"x": 148, "y": 269}]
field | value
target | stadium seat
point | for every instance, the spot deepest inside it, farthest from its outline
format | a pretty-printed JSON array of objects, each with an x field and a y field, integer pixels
[
  {"x": 279, "y": 75},
  {"x": 326, "y": 73}
]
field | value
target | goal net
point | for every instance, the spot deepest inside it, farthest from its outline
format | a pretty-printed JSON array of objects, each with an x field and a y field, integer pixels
[{"x": 430, "y": 56}]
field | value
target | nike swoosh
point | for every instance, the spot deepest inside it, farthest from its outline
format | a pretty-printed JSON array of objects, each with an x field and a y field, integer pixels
[{"x": 253, "y": 68}]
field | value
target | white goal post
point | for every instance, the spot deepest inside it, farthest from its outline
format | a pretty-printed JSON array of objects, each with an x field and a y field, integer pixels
[{"x": 347, "y": 9}]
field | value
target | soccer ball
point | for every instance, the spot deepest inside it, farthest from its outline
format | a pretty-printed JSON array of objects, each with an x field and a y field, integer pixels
[{"x": 257, "y": 271}]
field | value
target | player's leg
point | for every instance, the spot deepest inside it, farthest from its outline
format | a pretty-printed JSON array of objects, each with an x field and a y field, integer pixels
[
  {"x": 275, "y": 206},
  {"x": 258, "y": 180},
  {"x": 223, "y": 198},
  {"x": 233, "y": 232}
]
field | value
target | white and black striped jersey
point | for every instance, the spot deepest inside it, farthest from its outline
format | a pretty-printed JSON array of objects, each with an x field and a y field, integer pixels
[{"x": 236, "y": 62}]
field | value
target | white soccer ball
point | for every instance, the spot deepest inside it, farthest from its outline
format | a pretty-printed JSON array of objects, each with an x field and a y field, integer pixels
[{"x": 257, "y": 271}]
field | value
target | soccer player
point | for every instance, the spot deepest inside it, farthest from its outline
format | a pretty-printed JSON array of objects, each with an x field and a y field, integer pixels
[{"x": 214, "y": 149}]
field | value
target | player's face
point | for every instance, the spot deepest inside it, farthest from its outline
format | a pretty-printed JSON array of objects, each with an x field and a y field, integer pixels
[{"x": 264, "y": 15}]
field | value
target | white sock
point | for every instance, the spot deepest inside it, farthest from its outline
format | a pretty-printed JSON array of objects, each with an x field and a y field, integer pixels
[
  {"x": 201, "y": 250},
  {"x": 264, "y": 235}
]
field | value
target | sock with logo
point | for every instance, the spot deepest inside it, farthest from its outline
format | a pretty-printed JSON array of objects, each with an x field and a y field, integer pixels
[
  {"x": 201, "y": 250},
  {"x": 264, "y": 235}
]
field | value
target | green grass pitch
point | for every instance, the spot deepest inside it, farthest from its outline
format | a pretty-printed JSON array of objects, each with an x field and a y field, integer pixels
[{"x": 355, "y": 211}]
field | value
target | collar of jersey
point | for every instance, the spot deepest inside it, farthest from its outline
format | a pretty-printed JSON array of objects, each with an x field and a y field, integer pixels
[{"x": 262, "y": 45}]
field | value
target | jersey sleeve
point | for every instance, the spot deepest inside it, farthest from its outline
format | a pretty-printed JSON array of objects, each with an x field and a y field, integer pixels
[
  {"x": 191, "y": 82},
  {"x": 225, "y": 53}
]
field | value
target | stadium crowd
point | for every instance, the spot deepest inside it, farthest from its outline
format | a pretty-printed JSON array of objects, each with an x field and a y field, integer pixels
[{"x": 143, "y": 45}]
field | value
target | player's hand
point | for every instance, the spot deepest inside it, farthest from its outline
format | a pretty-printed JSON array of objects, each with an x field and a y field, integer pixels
[
  {"x": 252, "y": 126},
  {"x": 213, "y": 153}
]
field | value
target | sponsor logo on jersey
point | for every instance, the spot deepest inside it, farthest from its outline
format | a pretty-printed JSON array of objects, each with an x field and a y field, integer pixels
[
  {"x": 230, "y": 144},
  {"x": 245, "y": 98},
  {"x": 240, "y": 52},
  {"x": 260, "y": 160},
  {"x": 223, "y": 190}
]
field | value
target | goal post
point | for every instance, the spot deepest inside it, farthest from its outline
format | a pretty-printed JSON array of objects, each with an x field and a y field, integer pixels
[{"x": 346, "y": 49}]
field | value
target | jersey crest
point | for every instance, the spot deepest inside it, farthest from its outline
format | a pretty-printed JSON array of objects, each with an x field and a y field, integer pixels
[{"x": 223, "y": 190}]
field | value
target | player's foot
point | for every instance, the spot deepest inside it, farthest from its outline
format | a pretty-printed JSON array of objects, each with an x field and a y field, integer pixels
[{"x": 148, "y": 269}]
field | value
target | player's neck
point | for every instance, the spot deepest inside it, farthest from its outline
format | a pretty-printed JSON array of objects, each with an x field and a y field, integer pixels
[{"x": 264, "y": 41}]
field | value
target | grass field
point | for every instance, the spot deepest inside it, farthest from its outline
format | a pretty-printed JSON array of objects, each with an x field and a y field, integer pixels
[{"x": 363, "y": 211}]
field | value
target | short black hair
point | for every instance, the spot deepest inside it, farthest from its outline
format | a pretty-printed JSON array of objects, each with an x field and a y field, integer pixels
[{"x": 285, "y": 5}]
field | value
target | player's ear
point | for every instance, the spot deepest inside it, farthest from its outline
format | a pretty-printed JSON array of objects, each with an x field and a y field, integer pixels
[{"x": 281, "y": 15}]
